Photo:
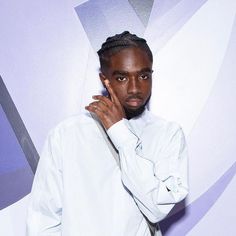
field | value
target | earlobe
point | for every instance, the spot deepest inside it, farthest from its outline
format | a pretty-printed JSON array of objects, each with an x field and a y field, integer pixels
[{"x": 102, "y": 78}]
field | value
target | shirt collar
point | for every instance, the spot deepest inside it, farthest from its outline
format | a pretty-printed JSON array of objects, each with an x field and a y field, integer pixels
[{"x": 139, "y": 122}]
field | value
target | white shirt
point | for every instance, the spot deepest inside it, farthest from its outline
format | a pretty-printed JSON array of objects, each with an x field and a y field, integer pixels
[{"x": 79, "y": 190}]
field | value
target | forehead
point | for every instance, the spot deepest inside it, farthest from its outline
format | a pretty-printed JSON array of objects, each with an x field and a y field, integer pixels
[{"x": 130, "y": 60}]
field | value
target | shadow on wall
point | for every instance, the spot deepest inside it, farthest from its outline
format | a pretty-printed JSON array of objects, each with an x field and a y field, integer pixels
[
  {"x": 18, "y": 156},
  {"x": 176, "y": 214}
]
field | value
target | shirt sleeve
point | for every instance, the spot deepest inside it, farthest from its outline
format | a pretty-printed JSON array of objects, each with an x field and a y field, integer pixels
[
  {"x": 156, "y": 186},
  {"x": 45, "y": 208}
]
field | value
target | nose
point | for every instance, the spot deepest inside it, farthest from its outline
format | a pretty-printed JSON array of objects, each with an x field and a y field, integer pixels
[{"x": 133, "y": 86}]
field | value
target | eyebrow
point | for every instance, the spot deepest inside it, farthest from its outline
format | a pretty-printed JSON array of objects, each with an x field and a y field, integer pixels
[{"x": 121, "y": 72}]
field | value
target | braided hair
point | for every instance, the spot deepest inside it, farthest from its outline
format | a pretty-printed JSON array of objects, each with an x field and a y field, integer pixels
[{"x": 118, "y": 42}]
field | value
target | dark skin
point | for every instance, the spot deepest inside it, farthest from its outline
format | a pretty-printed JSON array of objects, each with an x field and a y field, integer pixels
[{"x": 128, "y": 80}]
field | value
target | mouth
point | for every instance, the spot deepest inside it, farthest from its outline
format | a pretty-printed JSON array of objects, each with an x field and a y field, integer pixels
[{"x": 134, "y": 102}]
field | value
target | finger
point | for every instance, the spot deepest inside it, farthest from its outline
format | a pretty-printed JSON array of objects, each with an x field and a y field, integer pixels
[
  {"x": 100, "y": 114},
  {"x": 99, "y": 106},
  {"x": 94, "y": 110},
  {"x": 91, "y": 109},
  {"x": 103, "y": 99},
  {"x": 111, "y": 91}
]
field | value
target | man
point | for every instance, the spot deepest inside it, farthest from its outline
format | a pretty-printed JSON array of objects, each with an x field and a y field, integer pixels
[{"x": 118, "y": 170}]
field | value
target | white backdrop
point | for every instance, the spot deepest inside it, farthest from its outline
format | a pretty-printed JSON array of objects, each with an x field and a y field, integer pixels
[{"x": 50, "y": 68}]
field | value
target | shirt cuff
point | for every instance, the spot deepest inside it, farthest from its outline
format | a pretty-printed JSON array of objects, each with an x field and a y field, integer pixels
[{"x": 120, "y": 133}]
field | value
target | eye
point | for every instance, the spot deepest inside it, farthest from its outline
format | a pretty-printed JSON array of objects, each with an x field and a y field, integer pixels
[
  {"x": 144, "y": 76},
  {"x": 121, "y": 78}
]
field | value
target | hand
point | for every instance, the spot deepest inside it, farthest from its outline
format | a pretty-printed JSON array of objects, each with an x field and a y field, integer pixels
[{"x": 108, "y": 110}]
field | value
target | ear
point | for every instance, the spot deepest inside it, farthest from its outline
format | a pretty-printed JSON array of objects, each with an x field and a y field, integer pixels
[{"x": 102, "y": 78}]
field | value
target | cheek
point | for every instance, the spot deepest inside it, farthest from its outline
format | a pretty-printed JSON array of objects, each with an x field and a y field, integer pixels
[
  {"x": 120, "y": 91},
  {"x": 147, "y": 88}
]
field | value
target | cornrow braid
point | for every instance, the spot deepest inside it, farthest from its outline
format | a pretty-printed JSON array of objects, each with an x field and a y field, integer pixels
[{"x": 118, "y": 42}]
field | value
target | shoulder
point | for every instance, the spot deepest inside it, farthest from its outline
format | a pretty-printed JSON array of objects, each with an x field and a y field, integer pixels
[
  {"x": 71, "y": 125},
  {"x": 164, "y": 134},
  {"x": 163, "y": 131},
  {"x": 161, "y": 125},
  {"x": 160, "y": 136}
]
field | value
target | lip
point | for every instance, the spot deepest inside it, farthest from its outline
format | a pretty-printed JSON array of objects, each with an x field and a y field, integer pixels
[{"x": 134, "y": 102}]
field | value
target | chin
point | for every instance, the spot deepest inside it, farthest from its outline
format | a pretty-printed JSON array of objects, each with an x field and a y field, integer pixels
[{"x": 133, "y": 112}]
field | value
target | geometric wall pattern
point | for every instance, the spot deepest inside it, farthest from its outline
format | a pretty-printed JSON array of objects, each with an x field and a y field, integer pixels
[
  {"x": 48, "y": 73},
  {"x": 18, "y": 155}
]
